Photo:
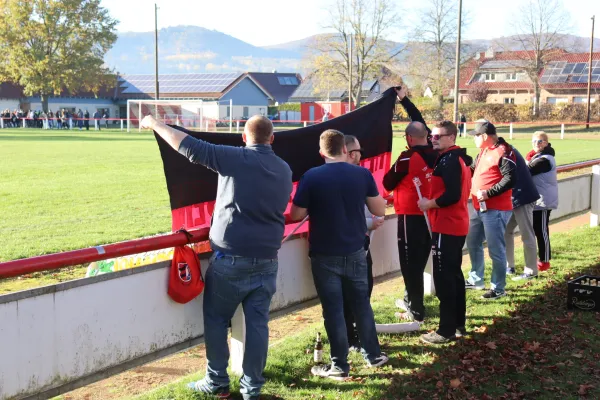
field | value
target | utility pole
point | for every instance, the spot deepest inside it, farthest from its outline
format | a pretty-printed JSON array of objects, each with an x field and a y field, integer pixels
[
  {"x": 589, "y": 87},
  {"x": 457, "y": 64},
  {"x": 350, "y": 75},
  {"x": 157, "y": 97}
]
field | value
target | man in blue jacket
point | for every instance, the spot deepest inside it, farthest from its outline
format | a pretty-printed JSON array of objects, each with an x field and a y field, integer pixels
[
  {"x": 246, "y": 231},
  {"x": 524, "y": 197}
]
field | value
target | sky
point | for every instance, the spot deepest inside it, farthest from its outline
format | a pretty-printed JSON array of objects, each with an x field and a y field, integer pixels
[{"x": 269, "y": 22}]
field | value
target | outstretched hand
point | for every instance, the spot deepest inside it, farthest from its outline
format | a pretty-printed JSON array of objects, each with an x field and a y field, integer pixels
[{"x": 149, "y": 122}]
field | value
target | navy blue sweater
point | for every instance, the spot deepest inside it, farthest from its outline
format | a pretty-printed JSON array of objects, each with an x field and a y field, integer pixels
[{"x": 254, "y": 189}]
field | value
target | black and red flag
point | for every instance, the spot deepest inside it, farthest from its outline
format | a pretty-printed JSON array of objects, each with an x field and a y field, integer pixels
[{"x": 193, "y": 188}]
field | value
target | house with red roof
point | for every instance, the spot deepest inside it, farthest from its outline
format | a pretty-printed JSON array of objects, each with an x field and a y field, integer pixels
[{"x": 563, "y": 80}]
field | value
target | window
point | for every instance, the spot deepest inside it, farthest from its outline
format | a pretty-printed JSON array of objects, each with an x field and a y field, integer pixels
[
  {"x": 511, "y": 76},
  {"x": 509, "y": 100},
  {"x": 245, "y": 112},
  {"x": 228, "y": 111},
  {"x": 490, "y": 77}
]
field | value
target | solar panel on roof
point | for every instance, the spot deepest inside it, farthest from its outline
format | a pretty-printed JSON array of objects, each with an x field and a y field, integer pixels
[
  {"x": 578, "y": 68},
  {"x": 568, "y": 68}
]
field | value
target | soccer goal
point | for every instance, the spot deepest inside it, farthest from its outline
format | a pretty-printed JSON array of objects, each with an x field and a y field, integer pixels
[{"x": 197, "y": 115}]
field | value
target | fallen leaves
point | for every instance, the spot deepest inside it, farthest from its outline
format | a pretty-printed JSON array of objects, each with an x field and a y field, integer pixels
[
  {"x": 455, "y": 383},
  {"x": 491, "y": 345},
  {"x": 583, "y": 389}
]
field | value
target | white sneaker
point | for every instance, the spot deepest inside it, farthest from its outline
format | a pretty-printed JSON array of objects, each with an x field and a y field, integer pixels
[
  {"x": 470, "y": 285},
  {"x": 401, "y": 304},
  {"x": 379, "y": 361}
]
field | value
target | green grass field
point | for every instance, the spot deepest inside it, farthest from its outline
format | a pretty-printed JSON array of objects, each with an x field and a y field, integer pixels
[
  {"x": 64, "y": 190},
  {"x": 523, "y": 346}
]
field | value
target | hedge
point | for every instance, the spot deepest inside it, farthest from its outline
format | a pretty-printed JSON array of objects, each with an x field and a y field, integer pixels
[{"x": 565, "y": 112}]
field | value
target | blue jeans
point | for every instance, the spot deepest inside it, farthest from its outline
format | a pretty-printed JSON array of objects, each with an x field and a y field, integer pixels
[
  {"x": 489, "y": 226},
  {"x": 231, "y": 281},
  {"x": 335, "y": 277}
]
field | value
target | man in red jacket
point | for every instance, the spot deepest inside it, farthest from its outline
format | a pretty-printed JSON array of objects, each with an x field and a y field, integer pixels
[
  {"x": 416, "y": 162},
  {"x": 491, "y": 190},
  {"x": 446, "y": 205}
]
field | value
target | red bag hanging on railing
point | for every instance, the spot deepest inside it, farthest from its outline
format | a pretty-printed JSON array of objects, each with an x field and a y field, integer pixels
[{"x": 185, "y": 277}]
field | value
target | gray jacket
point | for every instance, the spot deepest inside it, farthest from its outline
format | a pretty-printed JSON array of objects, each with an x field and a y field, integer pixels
[{"x": 546, "y": 182}]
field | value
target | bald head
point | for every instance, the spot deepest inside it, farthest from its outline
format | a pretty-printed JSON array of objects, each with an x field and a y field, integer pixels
[
  {"x": 416, "y": 130},
  {"x": 259, "y": 130}
]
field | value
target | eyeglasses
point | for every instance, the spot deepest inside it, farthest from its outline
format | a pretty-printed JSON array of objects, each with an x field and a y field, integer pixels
[
  {"x": 438, "y": 136},
  {"x": 537, "y": 141},
  {"x": 361, "y": 151}
]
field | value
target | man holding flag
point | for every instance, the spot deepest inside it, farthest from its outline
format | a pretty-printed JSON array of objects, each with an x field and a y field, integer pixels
[
  {"x": 416, "y": 162},
  {"x": 254, "y": 186},
  {"x": 334, "y": 196}
]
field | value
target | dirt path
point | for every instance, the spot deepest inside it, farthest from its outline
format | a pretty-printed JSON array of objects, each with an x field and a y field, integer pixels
[{"x": 150, "y": 376}]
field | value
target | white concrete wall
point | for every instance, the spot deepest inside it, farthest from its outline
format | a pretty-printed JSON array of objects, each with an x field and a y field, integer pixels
[
  {"x": 72, "y": 103},
  {"x": 53, "y": 336},
  {"x": 11, "y": 104},
  {"x": 574, "y": 196}
]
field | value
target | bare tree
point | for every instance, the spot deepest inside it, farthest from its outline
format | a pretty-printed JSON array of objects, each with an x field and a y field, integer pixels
[
  {"x": 366, "y": 23},
  {"x": 540, "y": 33},
  {"x": 432, "y": 49}
]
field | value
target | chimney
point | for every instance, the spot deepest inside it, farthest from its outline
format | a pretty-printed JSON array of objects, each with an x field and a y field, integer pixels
[{"x": 489, "y": 53}]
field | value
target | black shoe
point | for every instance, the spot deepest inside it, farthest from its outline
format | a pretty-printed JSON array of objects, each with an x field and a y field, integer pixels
[
  {"x": 493, "y": 295},
  {"x": 329, "y": 371}
]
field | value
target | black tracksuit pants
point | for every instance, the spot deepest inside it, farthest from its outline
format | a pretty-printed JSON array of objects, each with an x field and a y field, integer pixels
[
  {"x": 348, "y": 316},
  {"x": 449, "y": 282},
  {"x": 413, "y": 249},
  {"x": 541, "y": 220}
]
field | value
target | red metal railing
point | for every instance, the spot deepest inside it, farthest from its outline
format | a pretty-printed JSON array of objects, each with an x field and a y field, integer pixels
[{"x": 76, "y": 257}]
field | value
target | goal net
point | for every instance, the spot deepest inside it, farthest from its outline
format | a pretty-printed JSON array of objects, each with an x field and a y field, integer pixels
[{"x": 196, "y": 115}]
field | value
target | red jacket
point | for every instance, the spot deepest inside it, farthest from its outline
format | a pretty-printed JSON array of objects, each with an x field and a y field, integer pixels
[
  {"x": 413, "y": 163},
  {"x": 450, "y": 187},
  {"x": 495, "y": 172}
]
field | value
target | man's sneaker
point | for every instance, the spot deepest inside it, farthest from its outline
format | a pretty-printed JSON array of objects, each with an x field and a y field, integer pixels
[
  {"x": 203, "y": 386},
  {"x": 435, "y": 338},
  {"x": 401, "y": 305},
  {"x": 329, "y": 371},
  {"x": 524, "y": 276},
  {"x": 407, "y": 317},
  {"x": 354, "y": 348},
  {"x": 471, "y": 285},
  {"x": 493, "y": 295},
  {"x": 460, "y": 332},
  {"x": 379, "y": 361},
  {"x": 510, "y": 271}
]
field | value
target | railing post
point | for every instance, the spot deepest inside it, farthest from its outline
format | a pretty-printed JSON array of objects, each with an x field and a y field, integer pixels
[
  {"x": 305, "y": 124},
  {"x": 206, "y": 127},
  {"x": 595, "y": 201},
  {"x": 237, "y": 126},
  {"x": 1, "y": 123},
  {"x": 24, "y": 123},
  {"x": 95, "y": 124},
  {"x": 238, "y": 340},
  {"x": 121, "y": 124},
  {"x": 562, "y": 131},
  {"x": 511, "y": 131}
]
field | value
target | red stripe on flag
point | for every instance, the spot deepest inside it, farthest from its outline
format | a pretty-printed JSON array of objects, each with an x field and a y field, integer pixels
[{"x": 199, "y": 215}]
